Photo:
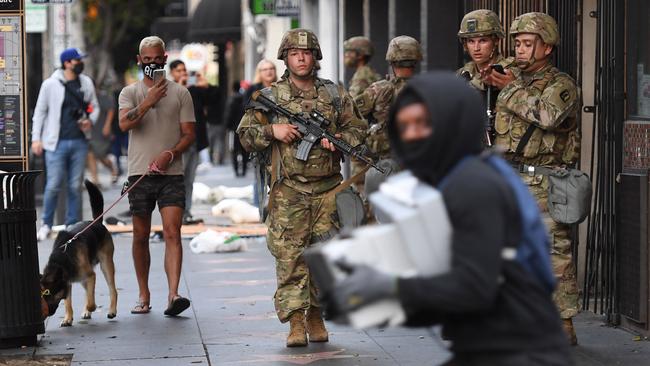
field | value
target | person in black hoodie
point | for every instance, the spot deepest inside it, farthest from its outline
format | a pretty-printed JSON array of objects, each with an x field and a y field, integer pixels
[
  {"x": 492, "y": 310},
  {"x": 232, "y": 116}
]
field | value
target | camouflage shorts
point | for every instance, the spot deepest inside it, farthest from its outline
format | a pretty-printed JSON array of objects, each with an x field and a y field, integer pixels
[{"x": 166, "y": 190}]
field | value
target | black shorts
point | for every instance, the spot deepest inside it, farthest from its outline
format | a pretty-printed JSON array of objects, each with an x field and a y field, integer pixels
[{"x": 166, "y": 190}]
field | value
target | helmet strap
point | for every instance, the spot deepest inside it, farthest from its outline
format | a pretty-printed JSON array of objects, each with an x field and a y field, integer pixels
[
  {"x": 288, "y": 73},
  {"x": 495, "y": 49},
  {"x": 523, "y": 65}
]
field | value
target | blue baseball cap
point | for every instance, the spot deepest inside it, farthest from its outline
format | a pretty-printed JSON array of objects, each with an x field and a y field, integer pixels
[{"x": 71, "y": 54}]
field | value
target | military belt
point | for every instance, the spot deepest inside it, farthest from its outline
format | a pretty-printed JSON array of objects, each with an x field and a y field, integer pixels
[{"x": 531, "y": 170}]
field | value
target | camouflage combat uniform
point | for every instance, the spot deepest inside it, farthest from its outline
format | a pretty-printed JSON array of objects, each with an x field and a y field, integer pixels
[
  {"x": 375, "y": 102},
  {"x": 548, "y": 100},
  {"x": 364, "y": 74},
  {"x": 484, "y": 23},
  {"x": 474, "y": 75},
  {"x": 362, "y": 79},
  {"x": 301, "y": 211}
]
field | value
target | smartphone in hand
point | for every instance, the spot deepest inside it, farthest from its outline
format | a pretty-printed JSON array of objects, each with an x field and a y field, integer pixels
[
  {"x": 159, "y": 75},
  {"x": 498, "y": 68},
  {"x": 191, "y": 80}
]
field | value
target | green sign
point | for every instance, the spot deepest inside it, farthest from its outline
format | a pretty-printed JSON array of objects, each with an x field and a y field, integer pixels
[{"x": 262, "y": 6}]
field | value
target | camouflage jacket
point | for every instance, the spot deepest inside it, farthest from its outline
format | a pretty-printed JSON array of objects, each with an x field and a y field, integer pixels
[
  {"x": 321, "y": 171},
  {"x": 475, "y": 76},
  {"x": 374, "y": 104},
  {"x": 362, "y": 78},
  {"x": 549, "y": 101}
]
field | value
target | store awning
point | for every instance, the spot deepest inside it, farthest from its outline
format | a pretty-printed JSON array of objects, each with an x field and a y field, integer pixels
[{"x": 216, "y": 21}]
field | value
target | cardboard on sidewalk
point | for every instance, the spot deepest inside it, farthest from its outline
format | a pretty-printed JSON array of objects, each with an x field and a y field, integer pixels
[{"x": 242, "y": 230}]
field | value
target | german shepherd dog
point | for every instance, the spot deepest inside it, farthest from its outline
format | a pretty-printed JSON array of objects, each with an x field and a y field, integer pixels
[{"x": 74, "y": 262}]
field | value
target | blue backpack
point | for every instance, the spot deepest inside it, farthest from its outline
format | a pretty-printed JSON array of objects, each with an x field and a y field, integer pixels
[{"x": 533, "y": 250}]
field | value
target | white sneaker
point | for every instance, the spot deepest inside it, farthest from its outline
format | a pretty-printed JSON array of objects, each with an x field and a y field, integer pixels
[{"x": 43, "y": 232}]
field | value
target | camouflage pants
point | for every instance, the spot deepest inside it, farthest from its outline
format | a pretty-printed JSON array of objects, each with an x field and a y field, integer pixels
[
  {"x": 295, "y": 221},
  {"x": 566, "y": 295}
]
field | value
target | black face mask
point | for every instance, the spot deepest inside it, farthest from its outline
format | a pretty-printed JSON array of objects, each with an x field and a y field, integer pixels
[
  {"x": 456, "y": 116},
  {"x": 78, "y": 68},
  {"x": 148, "y": 69},
  {"x": 416, "y": 155}
]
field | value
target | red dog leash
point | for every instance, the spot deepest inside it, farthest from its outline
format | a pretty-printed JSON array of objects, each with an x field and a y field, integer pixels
[{"x": 153, "y": 168}]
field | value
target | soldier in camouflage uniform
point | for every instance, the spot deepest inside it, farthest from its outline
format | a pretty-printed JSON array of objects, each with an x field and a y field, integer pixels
[
  {"x": 301, "y": 211},
  {"x": 357, "y": 54},
  {"x": 403, "y": 55},
  {"x": 536, "y": 124},
  {"x": 480, "y": 33}
]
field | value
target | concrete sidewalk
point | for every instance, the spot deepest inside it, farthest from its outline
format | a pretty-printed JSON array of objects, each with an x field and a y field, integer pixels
[{"x": 232, "y": 320}]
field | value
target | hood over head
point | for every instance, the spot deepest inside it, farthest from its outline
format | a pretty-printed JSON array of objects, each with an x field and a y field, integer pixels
[{"x": 457, "y": 115}]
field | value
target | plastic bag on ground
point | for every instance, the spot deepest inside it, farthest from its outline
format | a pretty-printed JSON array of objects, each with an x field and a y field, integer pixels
[{"x": 211, "y": 241}]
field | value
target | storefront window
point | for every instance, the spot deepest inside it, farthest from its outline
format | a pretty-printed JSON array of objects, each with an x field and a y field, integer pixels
[{"x": 638, "y": 60}]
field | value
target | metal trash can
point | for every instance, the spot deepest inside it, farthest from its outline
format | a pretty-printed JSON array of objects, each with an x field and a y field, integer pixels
[{"x": 20, "y": 302}]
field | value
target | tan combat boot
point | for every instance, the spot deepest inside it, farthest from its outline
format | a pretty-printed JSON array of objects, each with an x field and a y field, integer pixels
[
  {"x": 315, "y": 326},
  {"x": 297, "y": 335},
  {"x": 570, "y": 332}
]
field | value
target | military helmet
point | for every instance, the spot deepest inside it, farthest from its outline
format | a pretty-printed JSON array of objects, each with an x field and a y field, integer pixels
[
  {"x": 404, "y": 48},
  {"x": 360, "y": 44},
  {"x": 537, "y": 23},
  {"x": 479, "y": 23},
  {"x": 299, "y": 38}
]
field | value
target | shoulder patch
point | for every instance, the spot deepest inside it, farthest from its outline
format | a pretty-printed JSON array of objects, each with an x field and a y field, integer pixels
[{"x": 565, "y": 95}]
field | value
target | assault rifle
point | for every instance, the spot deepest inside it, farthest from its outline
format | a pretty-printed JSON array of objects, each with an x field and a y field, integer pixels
[{"x": 314, "y": 128}]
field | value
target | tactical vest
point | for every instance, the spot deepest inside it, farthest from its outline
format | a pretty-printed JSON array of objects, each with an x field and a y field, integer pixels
[
  {"x": 321, "y": 171},
  {"x": 544, "y": 148}
]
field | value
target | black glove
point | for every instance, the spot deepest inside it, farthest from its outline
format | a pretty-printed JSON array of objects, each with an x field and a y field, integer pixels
[{"x": 363, "y": 286}]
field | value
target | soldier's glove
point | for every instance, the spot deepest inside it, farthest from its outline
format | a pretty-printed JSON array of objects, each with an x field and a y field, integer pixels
[{"x": 363, "y": 286}]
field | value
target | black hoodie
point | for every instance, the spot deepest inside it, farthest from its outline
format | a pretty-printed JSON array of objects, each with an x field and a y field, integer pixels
[{"x": 484, "y": 303}]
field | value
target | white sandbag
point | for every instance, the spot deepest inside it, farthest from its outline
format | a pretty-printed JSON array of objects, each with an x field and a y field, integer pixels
[
  {"x": 200, "y": 192},
  {"x": 223, "y": 192},
  {"x": 237, "y": 211},
  {"x": 242, "y": 193},
  {"x": 211, "y": 241}
]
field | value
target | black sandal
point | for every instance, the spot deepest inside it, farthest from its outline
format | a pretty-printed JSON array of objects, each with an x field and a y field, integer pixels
[{"x": 177, "y": 306}]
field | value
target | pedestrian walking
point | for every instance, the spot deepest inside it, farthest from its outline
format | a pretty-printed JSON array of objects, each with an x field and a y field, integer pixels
[
  {"x": 234, "y": 113},
  {"x": 492, "y": 307},
  {"x": 65, "y": 111},
  {"x": 101, "y": 138},
  {"x": 159, "y": 116},
  {"x": 301, "y": 212},
  {"x": 198, "y": 90}
]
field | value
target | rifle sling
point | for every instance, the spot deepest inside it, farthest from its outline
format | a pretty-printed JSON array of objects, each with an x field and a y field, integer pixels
[
  {"x": 347, "y": 183},
  {"x": 524, "y": 139}
]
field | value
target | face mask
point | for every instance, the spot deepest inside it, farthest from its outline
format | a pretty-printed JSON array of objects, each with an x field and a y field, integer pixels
[
  {"x": 414, "y": 155},
  {"x": 78, "y": 68},
  {"x": 148, "y": 69}
]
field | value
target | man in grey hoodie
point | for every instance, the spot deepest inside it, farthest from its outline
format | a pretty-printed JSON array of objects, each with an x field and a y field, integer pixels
[{"x": 65, "y": 111}]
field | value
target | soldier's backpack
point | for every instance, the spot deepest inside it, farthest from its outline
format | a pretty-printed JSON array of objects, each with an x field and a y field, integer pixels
[
  {"x": 569, "y": 195},
  {"x": 533, "y": 251}
]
